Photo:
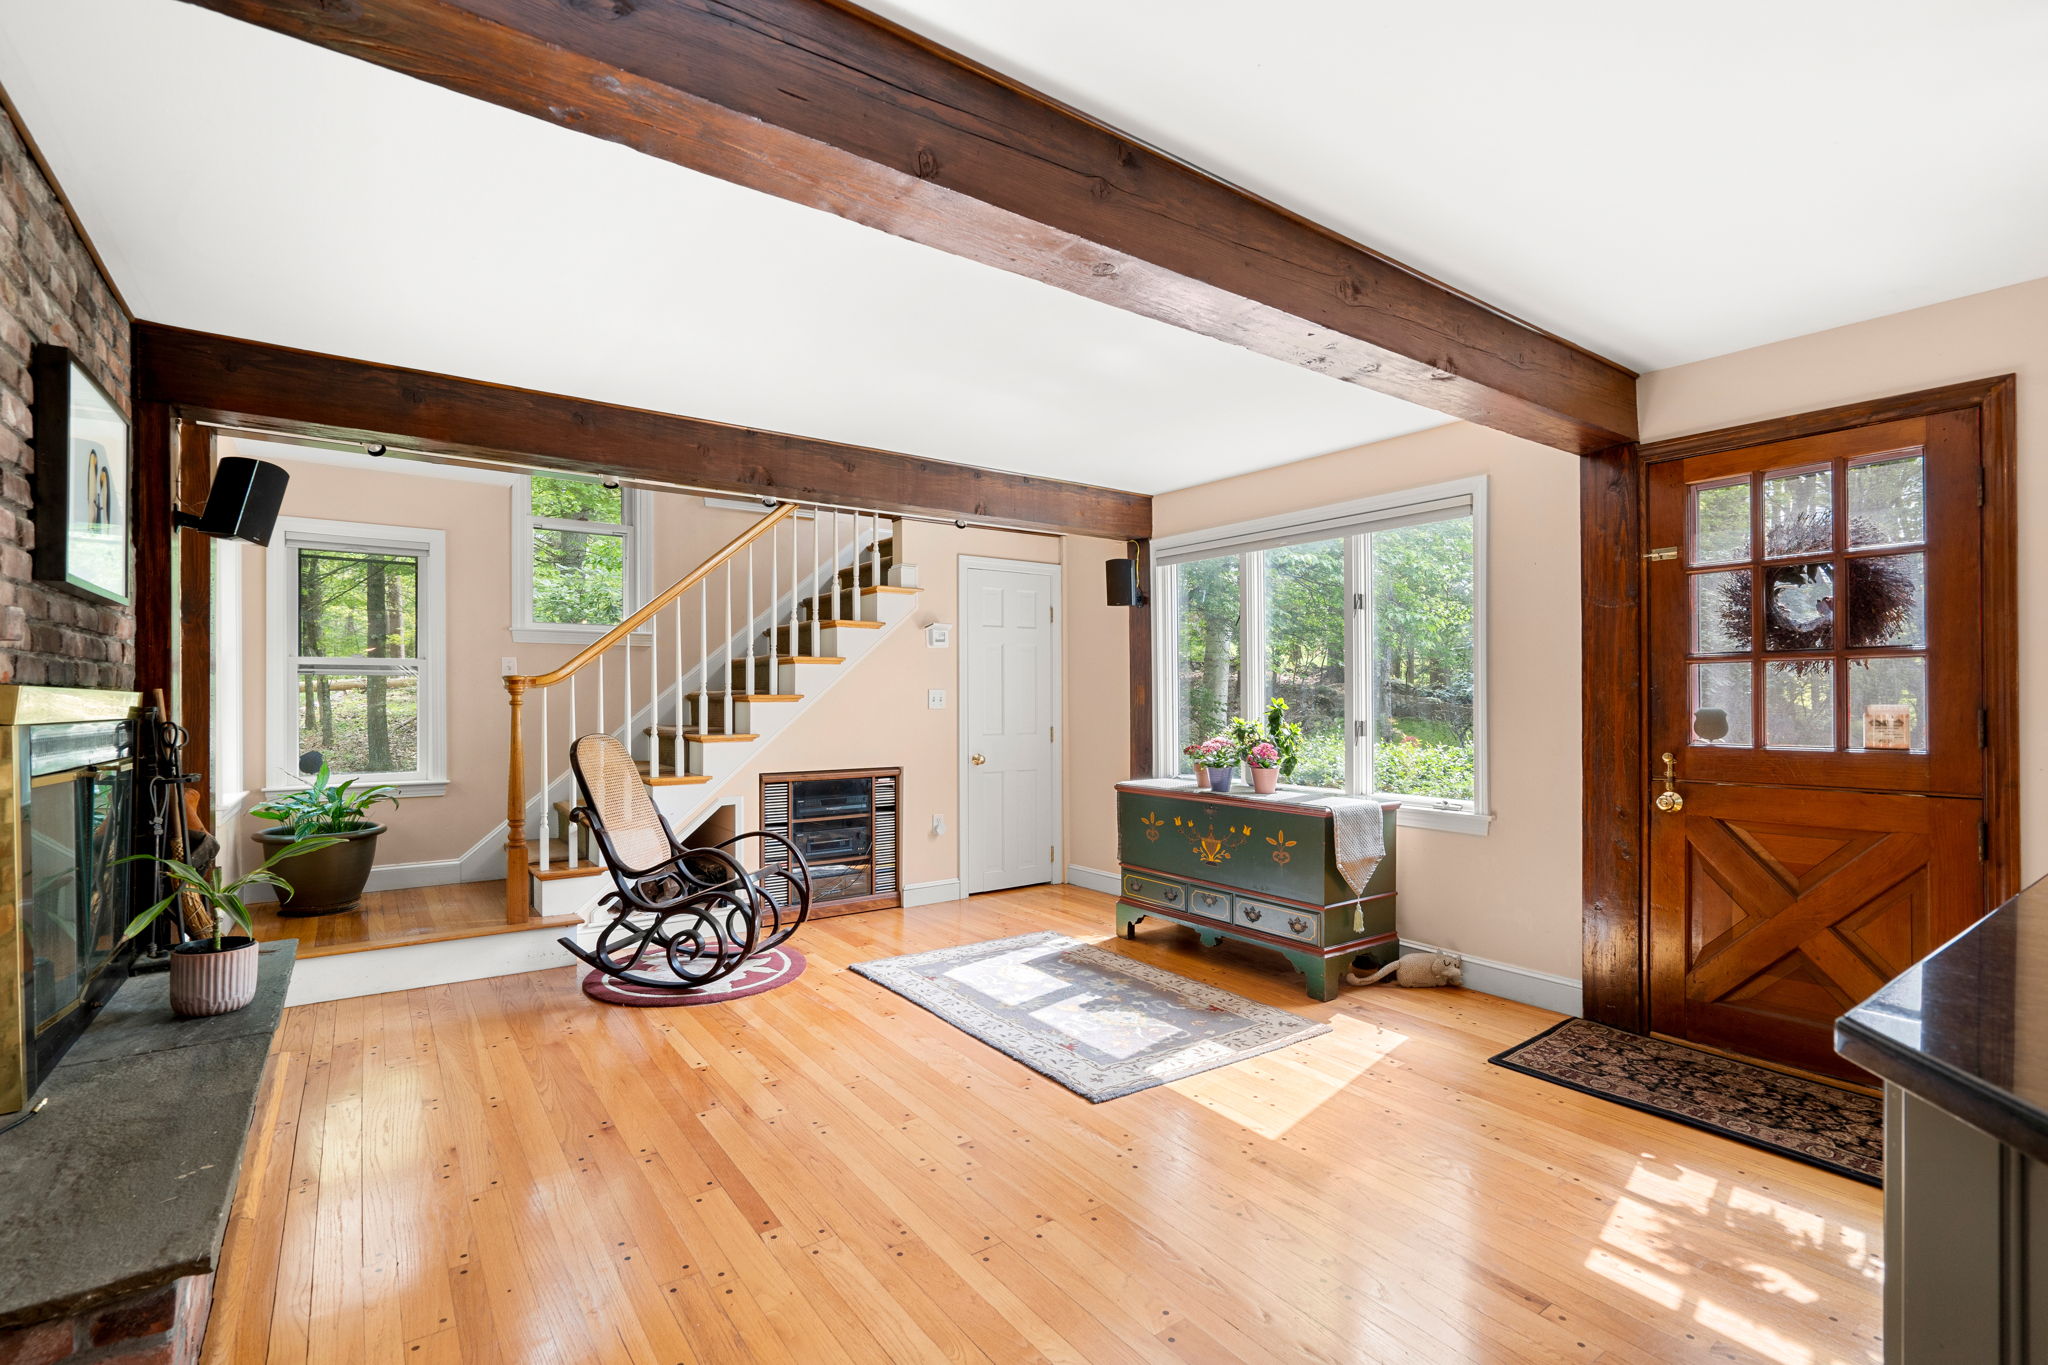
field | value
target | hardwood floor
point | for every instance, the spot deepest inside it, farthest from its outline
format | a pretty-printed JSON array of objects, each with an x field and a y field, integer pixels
[
  {"x": 503, "y": 1171},
  {"x": 387, "y": 919}
]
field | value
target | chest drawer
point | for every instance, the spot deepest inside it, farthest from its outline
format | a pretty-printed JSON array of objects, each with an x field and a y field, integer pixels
[
  {"x": 1209, "y": 904},
  {"x": 1154, "y": 891},
  {"x": 1284, "y": 920}
]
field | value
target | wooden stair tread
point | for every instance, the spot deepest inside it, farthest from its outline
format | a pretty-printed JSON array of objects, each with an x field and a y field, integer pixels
[
  {"x": 563, "y": 872},
  {"x": 804, "y": 659},
  {"x": 886, "y": 587},
  {"x": 703, "y": 738},
  {"x": 667, "y": 779},
  {"x": 736, "y": 696},
  {"x": 831, "y": 624}
]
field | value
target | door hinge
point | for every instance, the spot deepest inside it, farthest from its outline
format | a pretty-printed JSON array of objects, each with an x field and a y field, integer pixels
[
  {"x": 1983, "y": 841},
  {"x": 1048, "y": 615},
  {"x": 1667, "y": 552},
  {"x": 1048, "y": 734},
  {"x": 1048, "y": 852}
]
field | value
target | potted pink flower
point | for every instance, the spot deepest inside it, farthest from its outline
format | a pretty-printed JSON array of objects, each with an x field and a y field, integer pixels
[
  {"x": 1219, "y": 756},
  {"x": 1262, "y": 760}
]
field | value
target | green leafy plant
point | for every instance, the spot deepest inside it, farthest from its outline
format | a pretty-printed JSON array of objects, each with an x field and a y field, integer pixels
[
  {"x": 222, "y": 899},
  {"x": 323, "y": 808},
  {"x": 1283, "y": 734}
]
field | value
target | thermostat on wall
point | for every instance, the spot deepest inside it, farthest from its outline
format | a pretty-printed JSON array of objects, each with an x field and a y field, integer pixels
[{"x": 938, "y": 637}]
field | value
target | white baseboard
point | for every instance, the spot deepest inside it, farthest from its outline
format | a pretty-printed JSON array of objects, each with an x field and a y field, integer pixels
[
  {"x": 392, "y": 877},
  {"x": 343, "y": 976},
  {"x": 1095, "y": 879},
  {"x": 930, "y": 893},
  {"x": 1522, "y": 984}
]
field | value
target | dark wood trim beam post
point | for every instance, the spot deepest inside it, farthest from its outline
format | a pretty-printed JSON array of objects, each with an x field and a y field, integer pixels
[
  {"x": 154, "y": 591},
  {"x": 306, "y": 394},
  {"x": 1611, "y": 667},
  {"x": 194, "y": 701},
  {"x": 1141, "y": 666},
  {"x": 828, "y": 106}
]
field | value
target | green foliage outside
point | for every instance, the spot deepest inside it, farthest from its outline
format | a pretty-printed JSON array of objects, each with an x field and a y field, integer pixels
[
  {"x": 359, "y": 605},
  {"x": 1422, "y": 655},
  {"x": 579, "y": 577}
]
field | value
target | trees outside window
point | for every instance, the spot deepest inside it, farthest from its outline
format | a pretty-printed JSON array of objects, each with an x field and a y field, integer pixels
[
  {"x": 577, "y": 556},
  {"x": 1372, "y": 636}
]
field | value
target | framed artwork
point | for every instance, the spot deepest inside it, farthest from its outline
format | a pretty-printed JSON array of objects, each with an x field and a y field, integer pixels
[{"x": 82, "y": 452}]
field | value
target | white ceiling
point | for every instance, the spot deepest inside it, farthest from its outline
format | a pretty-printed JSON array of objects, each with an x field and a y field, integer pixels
[
  {"x": 1661, "y": 183},
  {"x": 241, "y": 182}
]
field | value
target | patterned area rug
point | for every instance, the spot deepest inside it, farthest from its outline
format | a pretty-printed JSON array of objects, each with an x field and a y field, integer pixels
[
  {"x": 1101, "y": 1024},
  {"x": 776, "y": 967},
  {"x": 1838, "y": 1130}
]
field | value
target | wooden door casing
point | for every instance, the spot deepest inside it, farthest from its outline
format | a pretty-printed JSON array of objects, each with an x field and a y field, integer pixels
[
  {"x": 1795, "y": 880},
  {"x": 1775, "y": 909}
]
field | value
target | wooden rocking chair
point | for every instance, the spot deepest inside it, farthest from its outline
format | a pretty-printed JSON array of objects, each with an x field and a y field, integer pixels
[{"x": 697, "y": 908}]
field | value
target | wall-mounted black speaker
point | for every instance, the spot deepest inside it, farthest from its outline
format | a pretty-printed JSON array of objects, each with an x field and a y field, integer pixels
[
  {"x": 1124, "y": 587},
  {"x": 243, "y": 502}
]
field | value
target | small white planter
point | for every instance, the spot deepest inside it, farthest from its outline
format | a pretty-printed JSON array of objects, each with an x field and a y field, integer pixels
[{"x": 204, "y": 982}]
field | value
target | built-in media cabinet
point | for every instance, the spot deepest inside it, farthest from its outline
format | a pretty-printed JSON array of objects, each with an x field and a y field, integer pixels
[{"x": 844, "y": 824}]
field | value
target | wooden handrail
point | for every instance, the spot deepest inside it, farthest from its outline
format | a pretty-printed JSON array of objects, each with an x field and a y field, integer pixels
[{"x": 666, "y": 596}]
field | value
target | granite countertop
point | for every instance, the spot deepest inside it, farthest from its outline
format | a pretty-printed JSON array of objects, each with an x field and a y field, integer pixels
[
  {"x": 123, "y": 1182},
  {"x": 1966, "y": 1029}
]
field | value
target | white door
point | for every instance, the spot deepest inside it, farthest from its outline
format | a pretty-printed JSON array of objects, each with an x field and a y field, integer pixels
[{"x": 1009, "y": 785}]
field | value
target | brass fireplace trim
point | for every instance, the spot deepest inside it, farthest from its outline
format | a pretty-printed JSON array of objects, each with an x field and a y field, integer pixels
[{"x": 22, "y": 705}]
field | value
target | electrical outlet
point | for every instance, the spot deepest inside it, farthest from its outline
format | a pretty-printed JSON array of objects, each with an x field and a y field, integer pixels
[
  {"x": 936, "y": 699},
  {"x": 508, "y": 666}
]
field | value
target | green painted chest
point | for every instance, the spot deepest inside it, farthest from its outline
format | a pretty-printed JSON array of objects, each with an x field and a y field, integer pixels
[{"x": 1255, "y": 870}]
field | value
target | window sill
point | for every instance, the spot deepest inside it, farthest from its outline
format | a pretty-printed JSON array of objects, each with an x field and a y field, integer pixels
[
  {"x": 1412, "y": 816},
  {"x": 404, "y": 790},
  {"x": 570, "y": 635}
]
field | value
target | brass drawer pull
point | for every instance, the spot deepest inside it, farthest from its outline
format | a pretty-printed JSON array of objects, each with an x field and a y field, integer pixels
[
  {"x": 1172, "y": 893},
  {"x": 1252, "y": 915},
  {"x": 1297, "y": 924}
]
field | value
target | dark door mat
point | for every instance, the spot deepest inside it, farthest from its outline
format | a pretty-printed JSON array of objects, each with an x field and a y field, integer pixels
[{"x": 1822, "y": 1125}]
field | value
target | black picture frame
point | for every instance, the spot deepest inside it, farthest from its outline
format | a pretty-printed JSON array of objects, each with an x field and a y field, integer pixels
[{"x": 84, "y": 451}]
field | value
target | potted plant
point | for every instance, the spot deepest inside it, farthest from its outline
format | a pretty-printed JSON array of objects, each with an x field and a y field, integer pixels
[
  {"x": 328, "y": 879},
  {"x": 1219, "y": 756},
  {"x": 214, "y": 975},
  {"x": 1285, "y": 736},
  {"x": 1262, "y": 761}
]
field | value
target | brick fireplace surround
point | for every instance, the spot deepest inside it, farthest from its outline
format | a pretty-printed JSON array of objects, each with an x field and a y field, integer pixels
[{"x": 157, "y": 1327}]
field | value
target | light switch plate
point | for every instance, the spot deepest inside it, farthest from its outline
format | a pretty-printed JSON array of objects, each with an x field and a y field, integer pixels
[{"x": 936, "y": 699}]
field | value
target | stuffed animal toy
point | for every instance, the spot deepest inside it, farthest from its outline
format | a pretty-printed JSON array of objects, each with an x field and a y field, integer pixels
[{"x": 1416, "y": 969}]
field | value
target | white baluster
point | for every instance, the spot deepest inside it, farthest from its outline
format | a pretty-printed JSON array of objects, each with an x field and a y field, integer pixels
[
  {"x": 547, "y": 810},
  {"x": 729, "y": 659},
  {"x": 703, "y": 655},
  {"x": 626, "y": 662},
  {"x": 775, "y": 595},
  {"x": 796, "y": 584},
  {"x": 600, "y": 695},
  {"x": 675, "y": 757},
  {"x": 750, "y": 619},
  {"x": 568, "y": 830},
  {"x": 817, "y": 563}
]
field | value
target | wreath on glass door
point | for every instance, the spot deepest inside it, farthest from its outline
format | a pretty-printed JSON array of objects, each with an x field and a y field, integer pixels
[{"x": 1801, "y": 615}]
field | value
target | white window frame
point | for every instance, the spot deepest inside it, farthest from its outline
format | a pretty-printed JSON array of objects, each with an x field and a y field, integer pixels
[
  {"x": 282, "y": 635},
  {"x": 1354, "y": 521},
  {"x": 636, "y": 505}
]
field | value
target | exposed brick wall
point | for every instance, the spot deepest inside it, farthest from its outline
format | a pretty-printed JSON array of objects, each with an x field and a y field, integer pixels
[
  {"x": 50, "y": 291},
  {"x": 156, "y": 1327}
]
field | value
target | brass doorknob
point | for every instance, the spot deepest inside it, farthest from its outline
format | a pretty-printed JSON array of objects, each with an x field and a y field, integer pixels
[
  {"x": 979, "y": 759},
  {"x": 1669, "y": 800}
]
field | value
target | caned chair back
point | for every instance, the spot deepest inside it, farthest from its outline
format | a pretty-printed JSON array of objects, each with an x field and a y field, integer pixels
[{"x": 617, "y": 797}]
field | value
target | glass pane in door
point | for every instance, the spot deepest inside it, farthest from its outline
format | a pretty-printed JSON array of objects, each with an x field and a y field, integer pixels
[
  {"x": 1799, "y": 704},
  {"x": 1799, "y": 517},
  {"x": 1721, "y": 699},
  {"x": 1887, "y": 601},
  {"x": 1888, "y": 704},
  {"x": 1887, "y": 502},
  {"x": 1721, "y": 612},
  {"x": 1800, "y": 615},
  {"x": 1720, "y": 523}
]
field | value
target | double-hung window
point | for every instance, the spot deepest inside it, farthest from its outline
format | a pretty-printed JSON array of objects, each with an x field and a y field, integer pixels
[
  {"x": 1368, "y": 619},
  {"x": 356, "y": 636},
  {"x": 579, "y": 557}
]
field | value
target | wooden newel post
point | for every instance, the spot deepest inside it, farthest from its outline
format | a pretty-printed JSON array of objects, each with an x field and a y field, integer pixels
[{"x": 517, "y": 907}]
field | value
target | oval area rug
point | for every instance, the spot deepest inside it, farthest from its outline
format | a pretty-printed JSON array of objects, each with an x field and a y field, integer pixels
[{"x": 776, "y": 967}]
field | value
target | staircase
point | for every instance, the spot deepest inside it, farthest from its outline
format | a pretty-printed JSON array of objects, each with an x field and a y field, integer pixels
[{"x": 695, "y": 684}]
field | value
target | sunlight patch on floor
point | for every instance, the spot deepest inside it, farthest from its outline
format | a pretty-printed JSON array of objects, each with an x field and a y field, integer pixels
[
  {"x": 1272, "y": 1093},
  {"x": 1669, "y": 1219}
]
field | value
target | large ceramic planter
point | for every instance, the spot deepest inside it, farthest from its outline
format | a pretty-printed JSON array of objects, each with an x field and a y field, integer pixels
[
  {"x": 327, "y": 880},
  {"x": 207, "y": 982}
]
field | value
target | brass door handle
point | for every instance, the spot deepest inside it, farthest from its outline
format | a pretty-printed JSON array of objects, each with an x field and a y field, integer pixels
[
  {"x": 979, "y": 759},
  {"x": 1668, "y": 800}
]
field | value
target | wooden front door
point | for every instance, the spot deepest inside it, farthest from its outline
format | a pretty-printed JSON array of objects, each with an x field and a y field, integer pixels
[{"x": 1817, "y": 699}]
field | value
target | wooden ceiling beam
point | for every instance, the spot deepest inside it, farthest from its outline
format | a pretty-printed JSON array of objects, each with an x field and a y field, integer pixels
[
  {"x": 276, "y": 389},
  {"x": 829, "y": 106}
]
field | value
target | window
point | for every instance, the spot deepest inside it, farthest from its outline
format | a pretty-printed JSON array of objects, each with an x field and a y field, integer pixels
[
  {"x": 579, "y": 561},
  {"x": 1368, "y": 619},
  {"x": 355, "y": 649}
]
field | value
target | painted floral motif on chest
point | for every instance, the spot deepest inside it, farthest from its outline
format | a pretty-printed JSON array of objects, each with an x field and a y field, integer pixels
[
  {"x": 1206, "y": 843},
  {"x": 1281, "y": 843}
]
